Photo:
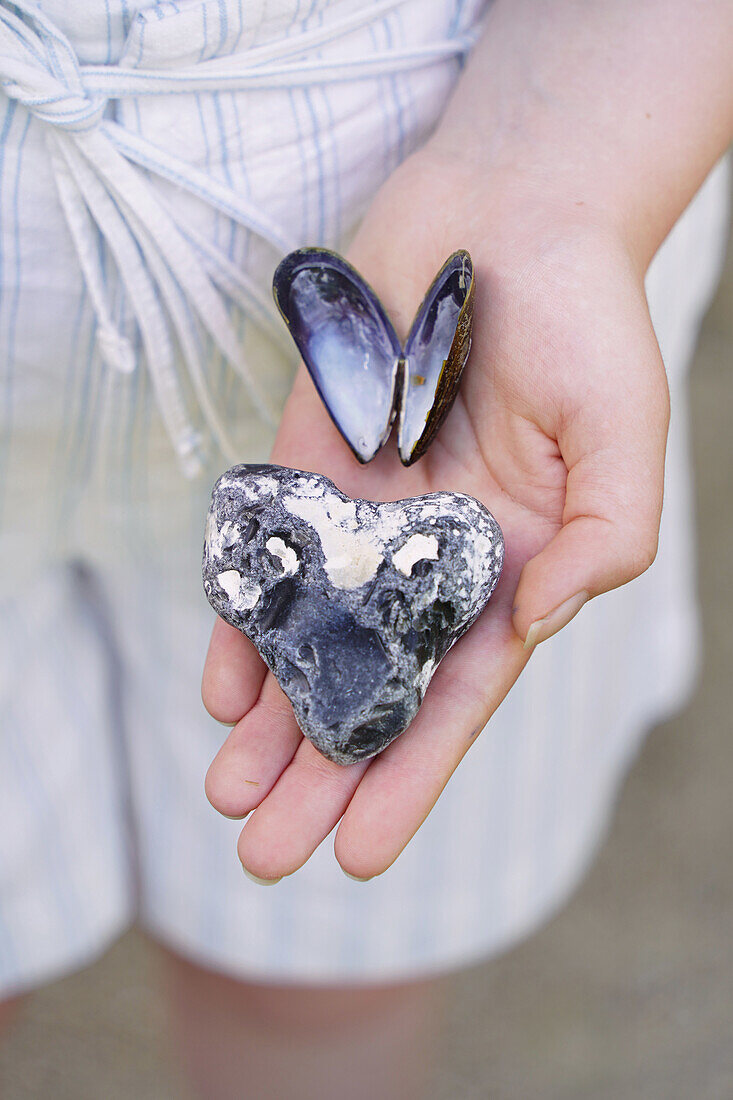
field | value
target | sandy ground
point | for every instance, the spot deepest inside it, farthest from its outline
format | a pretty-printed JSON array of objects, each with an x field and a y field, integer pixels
[{"x": 628, "y": 993}]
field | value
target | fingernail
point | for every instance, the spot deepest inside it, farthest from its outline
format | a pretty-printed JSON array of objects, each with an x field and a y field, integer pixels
[
  {"x": 543, "y": 629},
  {"x": 354, "y": 878},
  {"x": 260, "y": 881}
]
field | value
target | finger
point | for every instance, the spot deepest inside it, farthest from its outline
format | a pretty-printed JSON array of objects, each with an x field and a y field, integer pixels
[
  {"x": 300, "y": 811},
  {"x": 403, "y": 784},
  {"x": 233, "y": 674},
  {"x": 254, "y": 754},
  {"x": 614, "y": 451}
]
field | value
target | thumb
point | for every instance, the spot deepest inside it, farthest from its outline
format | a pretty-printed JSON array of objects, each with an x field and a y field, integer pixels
[{"x": 614, "y": 450}]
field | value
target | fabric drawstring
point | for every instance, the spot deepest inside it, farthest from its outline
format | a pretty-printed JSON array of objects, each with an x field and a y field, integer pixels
[{"x": 175, "y": 280}]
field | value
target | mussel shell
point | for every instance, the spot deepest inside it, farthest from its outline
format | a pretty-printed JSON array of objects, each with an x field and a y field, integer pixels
[
  {"x": 347, "y": 343},
  {"x": 435, "y": 354},
  {"x": 355, "y": 359}
]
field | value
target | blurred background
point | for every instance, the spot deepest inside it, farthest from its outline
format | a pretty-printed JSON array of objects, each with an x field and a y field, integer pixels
[{"x": 628, "y": 993}]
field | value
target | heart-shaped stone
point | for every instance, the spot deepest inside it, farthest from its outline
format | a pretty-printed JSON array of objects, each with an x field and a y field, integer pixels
[{"x": 351, "y": 604}]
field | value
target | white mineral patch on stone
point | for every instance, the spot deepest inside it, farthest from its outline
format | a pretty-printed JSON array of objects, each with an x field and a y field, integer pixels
[
  {"x": 352, "y": 556},
  {"x": 479, "y": 555},
  {"x": 218, "y": 541},
  {"x": 425, "y": 675},
  {"x": 390, "y": 521},
  {"x": 417, "y": 548},
  {"x": 230, "y": 581},
  {"x": 254, "y": 489},
  {"x": 249, "y": 594},
  {"x": 212, "y": 535},
  {"x": 285, "y": 553},
  {"x": 243, "y": 594},
  {"x": 229, "y": 533},
  {"x": 342, "y": 512}
]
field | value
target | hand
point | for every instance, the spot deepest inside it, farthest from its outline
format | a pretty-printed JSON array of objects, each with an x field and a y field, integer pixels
[{"x": 559, "y": 428}]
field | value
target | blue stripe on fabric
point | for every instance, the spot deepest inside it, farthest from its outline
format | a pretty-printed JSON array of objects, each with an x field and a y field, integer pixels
[
  {"x": 315, "y": 134},
  {"x": 11, "y": 107},
  {"x": 9, "y": 381},
  {"x": 128, "y": 459},
  {"x": 94, "y": 417},
  {"x": 335, "y": 229},
  {"x": 304, "y": 211},
  {"x": 142, "y": 23},
  {"x": 386, "y": 122},
  {"x": 86, "y": 428},
  {"x": 223, "y": 25},
  {"x": 108, "y": 17},
  {"x": 224, "y": 372},
  {"x": 207, "y": 157},
  {"x": 118, "y": 394},
  {"x": 152, "y": 818},
  {"x": 236, "y": 388},
  {"x": 396, "y": 96},
  {"x": 333, "y": 232},
  {"x": 240, "y": 32},
  {"x": 63, "y": 439},
  {"x": 125, "y": 13},
  {"x": 204, "y": 31},
  {"x": 454, "y": 25},
  {"x": 214, "y": 355},
  {"x": 408, "y": 86},
  {"x": 69, "y": 497},
  {"x": 58, "y": 874},
  {"x": 306, "y": 20}
]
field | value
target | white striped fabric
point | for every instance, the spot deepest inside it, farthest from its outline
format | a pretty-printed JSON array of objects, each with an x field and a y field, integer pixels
[{"x": 103, "y": 741}]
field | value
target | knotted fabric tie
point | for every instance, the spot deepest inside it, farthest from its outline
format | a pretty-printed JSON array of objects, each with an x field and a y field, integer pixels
[{"x": 175, "y": 281}]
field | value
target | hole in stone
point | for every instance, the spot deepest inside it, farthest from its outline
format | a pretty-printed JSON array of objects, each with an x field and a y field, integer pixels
[
  {"x": 274, "y": 607},
  {"x": 294, "y": 676},
  {"x": 362, "y": 736},
  {"x": 251, "y": 530},
  {"x": 381, "y": 709}
]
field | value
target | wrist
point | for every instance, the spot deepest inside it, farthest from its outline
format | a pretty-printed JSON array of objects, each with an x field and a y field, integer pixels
[
  {"x": 512, "y": 215},
  {"x": 530, "y": 192},
  {"x": 619, "y": 108}
]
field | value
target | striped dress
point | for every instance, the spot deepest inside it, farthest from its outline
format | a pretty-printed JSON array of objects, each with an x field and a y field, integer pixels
[{"x": 156, "y": 159}]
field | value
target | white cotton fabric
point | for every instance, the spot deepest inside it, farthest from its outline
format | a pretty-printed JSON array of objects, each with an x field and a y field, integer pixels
[{"x": 103, "y": 624}]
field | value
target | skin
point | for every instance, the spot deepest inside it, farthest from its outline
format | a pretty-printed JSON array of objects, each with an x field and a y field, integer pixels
[
  {"x": 562, "y": 191},
  {"x": 9, "y": 1011},
  {"x": 247, "y": 1040}
]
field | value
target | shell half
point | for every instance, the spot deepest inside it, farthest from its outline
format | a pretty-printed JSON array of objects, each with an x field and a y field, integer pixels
[
  {"x": 435, "y": 354},
  {"x": 347, "y": 343}
]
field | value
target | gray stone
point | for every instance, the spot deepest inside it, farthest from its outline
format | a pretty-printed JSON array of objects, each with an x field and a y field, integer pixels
[{"x": 351, "y": 604}]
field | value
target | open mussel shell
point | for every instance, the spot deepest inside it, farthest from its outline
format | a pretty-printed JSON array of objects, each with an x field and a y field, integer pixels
[
  {"x": 347, "y": 343},
  {"x": 363, "y": 375},
  {"x": 435, "y": 354}
]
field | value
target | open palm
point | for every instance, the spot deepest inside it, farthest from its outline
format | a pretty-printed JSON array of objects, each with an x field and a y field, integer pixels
[{"x": 559, "y": 428}]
